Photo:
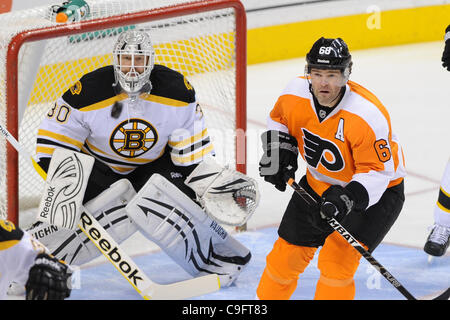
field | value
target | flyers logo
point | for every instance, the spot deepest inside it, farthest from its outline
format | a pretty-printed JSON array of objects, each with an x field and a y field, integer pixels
[{"x": 325, "y": 152}]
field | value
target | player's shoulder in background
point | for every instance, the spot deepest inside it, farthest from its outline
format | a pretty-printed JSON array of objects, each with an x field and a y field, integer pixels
[
  {"x": 171, "y": 84},
  {"x": 91, "y": 88}
]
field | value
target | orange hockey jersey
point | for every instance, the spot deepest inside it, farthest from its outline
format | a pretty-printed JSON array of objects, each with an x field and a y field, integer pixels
[{"x": 354, "y": 142}]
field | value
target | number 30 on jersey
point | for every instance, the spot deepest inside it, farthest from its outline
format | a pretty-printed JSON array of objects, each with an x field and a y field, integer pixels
[{"x": 59, "y": 113}]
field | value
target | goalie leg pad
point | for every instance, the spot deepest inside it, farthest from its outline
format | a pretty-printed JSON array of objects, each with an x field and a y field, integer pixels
[
  {"x": 108, "y": 208},
  {"x": 180, "y": 227},
  {"x": 65, "y": 186}
]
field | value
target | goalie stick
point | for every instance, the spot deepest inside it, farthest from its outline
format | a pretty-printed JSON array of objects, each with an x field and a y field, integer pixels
[
  {"x": 358, "y": 247},
  {"x": 122, "y": 262}
]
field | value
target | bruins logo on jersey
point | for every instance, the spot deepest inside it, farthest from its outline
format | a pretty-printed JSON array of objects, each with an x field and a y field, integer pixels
[
  {"x": 318, "y": 150},
  {"x": 132, "y": 138}
]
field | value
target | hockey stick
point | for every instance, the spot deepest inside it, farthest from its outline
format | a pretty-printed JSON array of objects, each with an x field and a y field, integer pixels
[
  {"x": 358, "y": 247},
  {"x": 122, "y": 262}
]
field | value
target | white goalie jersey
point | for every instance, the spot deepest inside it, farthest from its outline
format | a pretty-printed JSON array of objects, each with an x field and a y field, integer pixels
[{"x": 93, "y": 118}]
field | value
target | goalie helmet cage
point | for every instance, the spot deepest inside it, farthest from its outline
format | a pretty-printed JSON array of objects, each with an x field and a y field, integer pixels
[{"x": 40, "y": 59}]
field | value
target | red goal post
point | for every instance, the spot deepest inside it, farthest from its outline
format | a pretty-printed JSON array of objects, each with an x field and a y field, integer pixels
[{"x": 9, "y": 167}]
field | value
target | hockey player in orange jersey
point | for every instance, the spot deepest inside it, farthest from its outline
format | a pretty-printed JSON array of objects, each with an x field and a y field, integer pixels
[{"x": 354, "y": 161}]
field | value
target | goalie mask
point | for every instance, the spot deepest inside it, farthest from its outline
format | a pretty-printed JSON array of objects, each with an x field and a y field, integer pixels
[{"x": 133, "y": 61}]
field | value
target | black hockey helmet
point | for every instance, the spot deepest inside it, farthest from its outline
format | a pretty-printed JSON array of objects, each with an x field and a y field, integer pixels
[{"x": 329, "y": 53}]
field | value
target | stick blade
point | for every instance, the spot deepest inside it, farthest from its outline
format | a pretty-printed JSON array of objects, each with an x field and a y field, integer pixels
[{"x": 184, "y": 289}]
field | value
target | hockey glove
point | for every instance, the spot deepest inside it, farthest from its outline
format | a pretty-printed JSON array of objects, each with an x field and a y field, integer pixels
[
  {"x": 279, "y": 161},
  {"x": 338, "y": 202},
  {"x": 446, "y": 53},
  {"x": 48, "y": 279}
]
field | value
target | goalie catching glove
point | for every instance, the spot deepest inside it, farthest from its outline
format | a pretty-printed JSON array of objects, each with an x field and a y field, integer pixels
[{"x": 227, "y": 196}]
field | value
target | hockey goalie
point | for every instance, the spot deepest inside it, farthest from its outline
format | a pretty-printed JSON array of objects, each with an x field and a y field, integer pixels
[{"x": 128, "y": 144}]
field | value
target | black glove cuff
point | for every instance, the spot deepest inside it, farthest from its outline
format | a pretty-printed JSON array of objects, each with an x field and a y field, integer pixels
[
  {"x": 274, "y": 139},
  {"x": 359, "y": 195}
]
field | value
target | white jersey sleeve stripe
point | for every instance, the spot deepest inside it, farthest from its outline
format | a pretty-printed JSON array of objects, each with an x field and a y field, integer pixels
[
  {"x": 187, "y": 160},
  {"x": 178, "y": 141},
  {"x": 375, "y": 183},
  {"x": 60, "y": 138}
]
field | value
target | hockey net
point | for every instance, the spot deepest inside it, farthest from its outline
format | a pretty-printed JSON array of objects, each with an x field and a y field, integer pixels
[{"x": 40, "y": 59}]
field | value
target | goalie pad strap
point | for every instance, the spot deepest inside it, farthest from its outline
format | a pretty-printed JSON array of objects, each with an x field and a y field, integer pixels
[{"x": 228, "y": 196}]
